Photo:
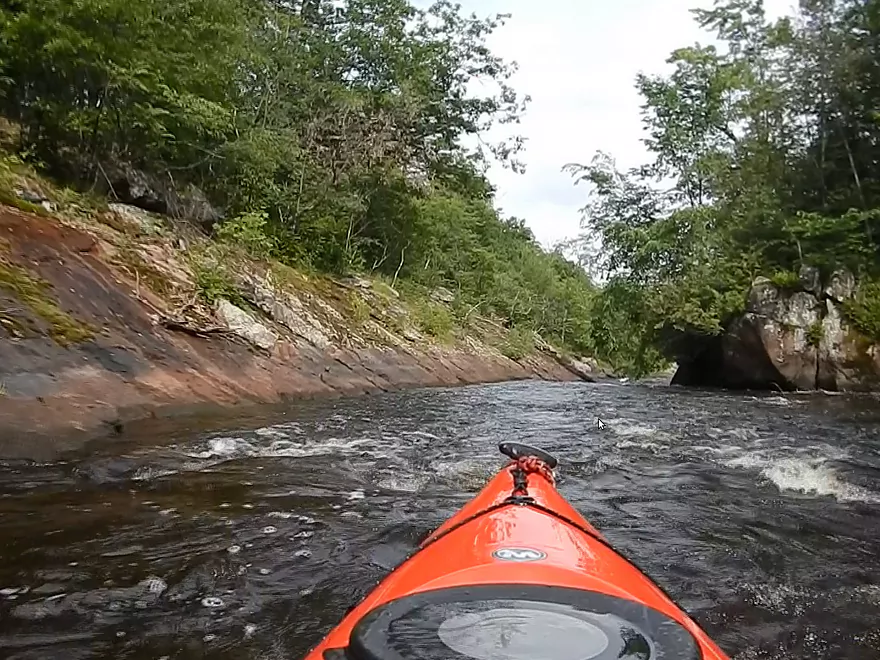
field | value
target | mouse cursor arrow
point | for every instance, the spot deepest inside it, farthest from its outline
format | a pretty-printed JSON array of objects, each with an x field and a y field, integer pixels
[{"x": 600, "y": 424}]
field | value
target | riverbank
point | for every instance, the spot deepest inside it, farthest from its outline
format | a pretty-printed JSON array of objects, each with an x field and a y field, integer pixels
[{"x": 110, "y": 315}]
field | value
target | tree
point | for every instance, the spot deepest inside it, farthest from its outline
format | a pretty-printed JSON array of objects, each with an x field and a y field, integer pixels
[
  {"x": 765, "y": 158},
  {"x": 330, "y": 131}
]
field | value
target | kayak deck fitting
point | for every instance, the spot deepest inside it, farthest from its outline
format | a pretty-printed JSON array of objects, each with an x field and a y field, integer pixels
[{"x": 517, "y": 574}]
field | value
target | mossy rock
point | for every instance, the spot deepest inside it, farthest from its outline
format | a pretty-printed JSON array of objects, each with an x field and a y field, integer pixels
[
  {"x": 358, "y": 309},
  {"x": 11, "y": 199},
  {"x": 36, "y": 295}
]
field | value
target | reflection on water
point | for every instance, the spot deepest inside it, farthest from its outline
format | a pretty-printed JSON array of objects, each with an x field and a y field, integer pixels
[
  {"x": 760, "y": 514},
  {"x": 522, "y": 634}
]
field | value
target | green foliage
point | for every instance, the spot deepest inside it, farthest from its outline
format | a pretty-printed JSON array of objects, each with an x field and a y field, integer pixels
[
  {"x": 769, "y": 144},
  {"x": 863, "y": 310},
  {"x": 815, "y": 333},
  {"x": 150, "y": 80},
  {"x": 385, "y": 290},
  {"x": 358, "y": 307},
  {"x": 249, "y": 230},
  {"x": 786, "y": 280},
  {"x": 518, "y": 344},
  {"x": 330, "y": 132},
  {"x": 496, "y": 268},
  {"x": 213, "y": 278},
  {"x": 622, "y": 332},
  {"x": 433, "y": 319}
]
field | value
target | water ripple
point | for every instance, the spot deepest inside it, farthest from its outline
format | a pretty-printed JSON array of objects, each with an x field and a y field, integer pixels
[{"x": 757, "y": 512}]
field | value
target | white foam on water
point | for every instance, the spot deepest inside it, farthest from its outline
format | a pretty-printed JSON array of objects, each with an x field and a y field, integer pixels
[
  {"x": 421, "y": 434},
  {"x": 279, "y": 431},
  {"x": 809, "y": 473},
  {"x": 403, "y": 483},
  {"x": 814, "y": 477},
  {"x": 150, "y": 473},
  {"x": 781, "y": 598},
  {"x": 467, "y": 473},
  {"x": 790, "y": 467},
  {"x": 629, "y": 428},
  {"x": 868, "y": 593},
  {"x": 723, "y": 450},
  {"x": 155, "y": 585},
  {"x": 647, "y": 445},
  {"x": 741, "y": 434},
  {"x": 776, "y": 401},
  {"x": 221, "y": 449}
]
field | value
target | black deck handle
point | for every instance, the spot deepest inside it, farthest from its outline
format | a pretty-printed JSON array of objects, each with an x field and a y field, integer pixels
[{"x": 516, "y": 450}]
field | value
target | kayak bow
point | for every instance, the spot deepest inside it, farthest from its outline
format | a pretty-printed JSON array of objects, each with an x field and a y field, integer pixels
[{"x": 517, "y": 574}]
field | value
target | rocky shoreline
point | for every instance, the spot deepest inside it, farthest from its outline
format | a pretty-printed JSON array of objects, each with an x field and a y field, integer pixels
[
  {"x": 97, "y": 337},
  {"x": 792, "y": 337}
]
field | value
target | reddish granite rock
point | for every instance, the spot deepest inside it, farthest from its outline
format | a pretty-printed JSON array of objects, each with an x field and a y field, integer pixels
[{"x": 133, "y": 367}]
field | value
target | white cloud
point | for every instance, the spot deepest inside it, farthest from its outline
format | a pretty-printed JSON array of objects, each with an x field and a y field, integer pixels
[{"x": 578, "y": 60}]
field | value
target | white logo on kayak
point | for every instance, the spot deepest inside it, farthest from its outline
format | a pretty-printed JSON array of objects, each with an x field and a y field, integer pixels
[{"x": 518, "y": 554}]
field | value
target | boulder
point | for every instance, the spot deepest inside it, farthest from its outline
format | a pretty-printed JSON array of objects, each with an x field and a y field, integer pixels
[
  {"x": 158, "y": 194},
  {"x": 443, "y": 295},
  {"x": 847, "y": 360},
  {"x": 769, "y": 351},
  {"x": 143, "y": 221},
  {"x": 770, "y": 345},
  {"x": 192, "y": 204},
  {"x": 841, "y": 286},
  {"x": 244, "y": 325},
  {"x": 810, "y": 280},
  {"x": 286, "y": 308},
  {"x": 577, "y": 367},
  {"x": 831, "y": 349},
  {"x": 787, "y": 340},
  {"x": 30, "y": 192},
  {"x": 358, "y": 282},
  {"x": 581, "y": 369}
]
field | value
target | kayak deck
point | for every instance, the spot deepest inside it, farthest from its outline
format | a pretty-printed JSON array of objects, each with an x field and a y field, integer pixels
[{"x": 517, "y": 562}]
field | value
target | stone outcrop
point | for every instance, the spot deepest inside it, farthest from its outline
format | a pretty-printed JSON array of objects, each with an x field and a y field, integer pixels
[
  {"x": 120, "y": 337},
  {"x": 793, "y": 338},
  {"x": 152, "y": 192},
  {"x": 245, "y": 326}
]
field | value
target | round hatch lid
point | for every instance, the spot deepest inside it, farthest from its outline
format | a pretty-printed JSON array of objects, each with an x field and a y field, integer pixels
[{"x": 518, "y": 622}]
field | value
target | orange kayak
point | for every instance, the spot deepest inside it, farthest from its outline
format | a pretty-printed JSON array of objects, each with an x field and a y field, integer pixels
[{"x": 517, "y": 574}]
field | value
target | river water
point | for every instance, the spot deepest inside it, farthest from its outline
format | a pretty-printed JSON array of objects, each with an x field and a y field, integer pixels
[{"x": 759, "y": 514}]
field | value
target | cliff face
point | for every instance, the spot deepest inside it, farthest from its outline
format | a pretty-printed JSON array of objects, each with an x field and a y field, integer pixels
[
  {"x": 110, "y": 318},
  {"x": 792, "y": 338}
]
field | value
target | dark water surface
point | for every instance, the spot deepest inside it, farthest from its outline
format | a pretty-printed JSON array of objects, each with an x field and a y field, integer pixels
[{"x": 761, "y": 515}]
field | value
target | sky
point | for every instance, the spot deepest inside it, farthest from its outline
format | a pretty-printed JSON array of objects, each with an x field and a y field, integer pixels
[{"x": 578, "y": 60}]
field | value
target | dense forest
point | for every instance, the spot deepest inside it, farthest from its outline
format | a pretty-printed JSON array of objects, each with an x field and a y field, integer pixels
[
  {"x": 331, "y": 135},
  {"x": 766, "y": 157}
]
